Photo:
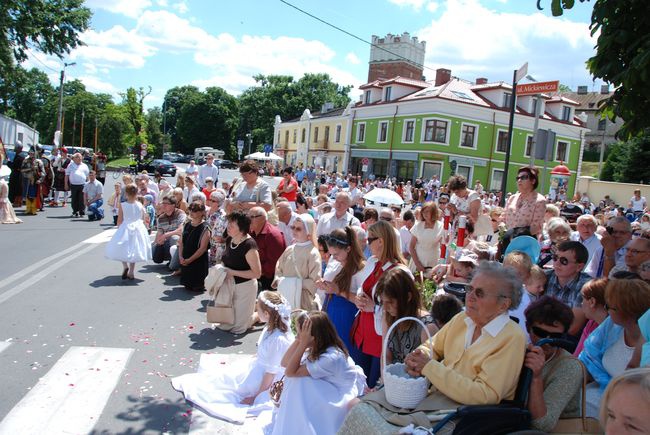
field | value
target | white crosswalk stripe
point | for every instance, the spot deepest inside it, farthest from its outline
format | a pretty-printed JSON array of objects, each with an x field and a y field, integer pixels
[
  {"x": 4, "y": 345},
  {"x": 71, "y": 396}
]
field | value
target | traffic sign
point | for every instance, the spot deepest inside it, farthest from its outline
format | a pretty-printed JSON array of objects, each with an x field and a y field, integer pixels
[
  {"x": 143, "y": 146},
  {"x": 365, "y": 161},
  {"x": 240, "y": 146},
  {"x": 538, "y": 88},
  {"x": 267, "y": 149}
]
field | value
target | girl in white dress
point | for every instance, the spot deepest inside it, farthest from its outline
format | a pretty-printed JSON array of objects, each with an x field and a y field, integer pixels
[
  {"x": 233, "y": 392},
  {"x": 321, "y": 379},
  {"x": 130, "y": 243}
]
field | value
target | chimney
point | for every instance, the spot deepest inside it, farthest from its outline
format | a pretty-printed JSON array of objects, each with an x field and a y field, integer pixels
[
  {"x": 442, "y": 76},
  {"x": 481, "y": 81},
  {"x": 327, "y": 107},
  {"x": 583, "y": 90},
  {"x": 604, "y": 89}
]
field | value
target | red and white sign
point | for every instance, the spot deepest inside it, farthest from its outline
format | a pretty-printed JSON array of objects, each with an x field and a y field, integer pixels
[
  {"x": 365, "y": 161},
  {"x": 538, "y": 88}
]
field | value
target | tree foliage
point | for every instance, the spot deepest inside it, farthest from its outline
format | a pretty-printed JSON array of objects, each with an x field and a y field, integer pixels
[
  {"x": 622, "y": 59},
  {"x": 627, "y": 162}
]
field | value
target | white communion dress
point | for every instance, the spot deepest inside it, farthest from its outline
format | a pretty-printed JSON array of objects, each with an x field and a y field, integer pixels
[
  {"x": 318, "y": 403},
  {"x": 131, "y": 242},
  {"x": 219, "y": 389}
]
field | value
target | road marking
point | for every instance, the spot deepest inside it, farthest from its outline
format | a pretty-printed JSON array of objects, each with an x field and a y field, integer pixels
[
  {"x": 4, "y": 297},
  {"x": 4, "y": 345},
  {"x": 102, "y": 237},
  {"x": 71, "y": 396}
]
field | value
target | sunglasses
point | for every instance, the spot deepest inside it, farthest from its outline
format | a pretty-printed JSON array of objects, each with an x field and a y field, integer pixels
[
  {"x": 523, "y": 178},
  {"x": 480, "y": 293},
  {"x": 563, "y": 260},
  {"x": 336, "y": 241},
  {"x": 387, "y": 219},
  {"x": 371, "y": 239},
  {"x": 543, "y": 333},
  {"x": 296, "y": 228},
  {"x": 609, "y": 308}
]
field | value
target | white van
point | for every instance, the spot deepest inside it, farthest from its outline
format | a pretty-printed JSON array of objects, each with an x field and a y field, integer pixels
[{"x": 200, "y": 153}]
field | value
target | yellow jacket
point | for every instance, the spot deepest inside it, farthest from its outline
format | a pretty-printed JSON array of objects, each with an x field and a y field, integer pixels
[{"x": 484, "y": 373}]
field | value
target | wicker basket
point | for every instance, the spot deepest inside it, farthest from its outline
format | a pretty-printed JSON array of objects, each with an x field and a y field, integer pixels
[{"x": 403, "y": 392}]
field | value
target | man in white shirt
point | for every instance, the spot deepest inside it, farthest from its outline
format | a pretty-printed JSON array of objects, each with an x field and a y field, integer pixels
[
  {"x": 192, "y": 169},
  {"x": 93, "y": 192},
  {"x": 76, "y": 175},
  {"x": 339, "y": 218},
  {"x": 286, "y": 217},
  {"x": 615, "y": 242},
  {"x": 208, "y": 170},
  {"x": 586, "y": 234},
  {"x": 405, "y": 232}
]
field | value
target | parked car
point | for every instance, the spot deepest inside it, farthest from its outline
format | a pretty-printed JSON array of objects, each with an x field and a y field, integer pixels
[
  {"x": 172, "y": 157},
  {"x": 161, "y": 166},
  {"x": 227, "y": 164},
  {"x": 185, "y": 158}
]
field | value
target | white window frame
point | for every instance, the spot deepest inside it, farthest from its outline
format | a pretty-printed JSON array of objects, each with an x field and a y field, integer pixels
[
  {"x": 366, "y": 97},
  {"x": 564, "y": 109},
  {"x": 470, "y": 174},
  {"x": 361, "y": 139},
  {"x": 526, "y": 145},
  {"x": 439, "y": 162},
  {"x": 379, "y": 132},
  {"x": 504, "y": 105},
  {"x": 337, "y": 133},
  {"x": 492, "y": 179},
  {"x": 404, "y": 123},
  {"x": 460, "y": 139},
  {"x": 387, "y": 93},
  {"x": 567, "y": 153},
  {"x": 424, "y": 128},
  {"x": 496, "y": 142}
]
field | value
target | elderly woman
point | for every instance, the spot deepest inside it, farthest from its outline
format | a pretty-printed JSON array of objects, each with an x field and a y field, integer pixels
[
  {"x": 426, "y": 236},
  {"x": 626, "y": 403},
  {"x": 559, "y": 231},
  {"x": 180, "y": 199},
  {"x": 477, "y": 356},
  {"x": 557, "y": 377},
  {"x": 525, "y": 209},
  {"x": 242, "y": 262},
  {"x": 300, "y": 261},
  {"x": 463, "y": 201},
  {"x": 251, "y": 191},
  {"x": 217, "y": 222},
  {"x": 608, "y": 350}
]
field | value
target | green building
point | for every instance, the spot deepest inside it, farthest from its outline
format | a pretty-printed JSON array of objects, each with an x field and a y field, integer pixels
[{"x": 410, "y": 128}]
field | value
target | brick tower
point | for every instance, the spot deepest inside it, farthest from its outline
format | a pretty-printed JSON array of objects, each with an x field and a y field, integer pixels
[{"x": 386, "y": 64}]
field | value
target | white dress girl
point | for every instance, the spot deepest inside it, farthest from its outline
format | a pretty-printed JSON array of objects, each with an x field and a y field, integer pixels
[
  {"x": 130, "y": 243},
  {"x": 219, "y": 389},
  {"x": 318, "y": 403}
]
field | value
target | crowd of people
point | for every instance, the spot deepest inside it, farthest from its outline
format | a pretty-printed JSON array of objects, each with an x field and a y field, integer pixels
[{"x": 329, "y": 273}]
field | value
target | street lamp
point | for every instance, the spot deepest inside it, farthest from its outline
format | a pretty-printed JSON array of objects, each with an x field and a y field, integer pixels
[
  {"x": 58, "y": 121},
  {"x": 249, "y": 136}
]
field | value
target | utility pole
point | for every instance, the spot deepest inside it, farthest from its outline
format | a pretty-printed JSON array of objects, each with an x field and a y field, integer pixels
[{"x": 60, "y": 117}]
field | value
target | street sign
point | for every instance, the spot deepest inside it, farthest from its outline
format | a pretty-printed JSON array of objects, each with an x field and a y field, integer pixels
[
  {"x": 267, "y": 149},
  {"x": 538, "y": 88},
  {"x": 143, "y": 146},
  {"x": 240, "y": 146},
  {"x": 365, "y": 161},
  {"x": 521, "y": 72}
]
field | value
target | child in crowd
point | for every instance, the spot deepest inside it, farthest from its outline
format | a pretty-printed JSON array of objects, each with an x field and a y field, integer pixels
[
  {"x": 114, "y": 201},
  {"x": 232, "y": 392},
  {"x": 521, "y": 262},
  {"x": 458, "y": 270},
  {"x": 444, "y": 306},
  {"x": 150, "y": 211},
  {"x": 536, "y": 283},
  {"x": 321, "y": 379}
]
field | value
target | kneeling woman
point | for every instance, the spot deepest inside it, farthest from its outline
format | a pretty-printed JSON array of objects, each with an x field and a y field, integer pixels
[
  {"x": 321, "y": 380},
  {"x": 228, "y": 392},
  {"x": 477, "y": 356}
]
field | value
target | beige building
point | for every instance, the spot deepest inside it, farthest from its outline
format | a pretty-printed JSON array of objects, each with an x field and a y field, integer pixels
[{"x": 315, "y": 139}]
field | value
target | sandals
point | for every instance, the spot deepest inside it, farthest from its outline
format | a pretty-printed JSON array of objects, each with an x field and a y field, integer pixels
[{"x": 125, "y": 274}]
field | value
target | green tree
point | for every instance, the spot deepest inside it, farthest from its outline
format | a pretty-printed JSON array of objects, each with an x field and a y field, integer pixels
[
  {"x": 208, "y": 119},
  {"x": 155, "y": 137},
  {"x": 175, "y": 99},
  {"x": 133, "y": 102},
  {"x": 24, "y": 93},
  {"x": 627, "y": 162},
  {"x": 114, "y": 131},
  {"x": 622, "y": 58}
]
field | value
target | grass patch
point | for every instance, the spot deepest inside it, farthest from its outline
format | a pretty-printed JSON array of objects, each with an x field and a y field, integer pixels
[
  {"x": 590, "y": 169},
  {"x": 120, "y": 163}
]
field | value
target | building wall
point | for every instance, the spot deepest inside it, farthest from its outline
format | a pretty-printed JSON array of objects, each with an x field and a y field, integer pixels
[
  {"x": 479, "y": 162},
  {"x": 384, "y": 70},
  {"x": 619, "y": 192},
  {"x": 12, "y": 130}
]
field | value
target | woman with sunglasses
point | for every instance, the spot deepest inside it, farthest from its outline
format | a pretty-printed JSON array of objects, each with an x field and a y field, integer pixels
[
  {"x": 526, "y": 208},
  {"x": 608, "y": 350},
  {"x": 341, "y": 279},
  {"x": 301, "y": 262},
  {"x": 386, "y": 254},
  {"x": 557, "y": 376}
]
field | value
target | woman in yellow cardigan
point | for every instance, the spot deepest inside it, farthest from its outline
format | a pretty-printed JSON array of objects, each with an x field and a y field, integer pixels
[{"x": 477, "y": 357}]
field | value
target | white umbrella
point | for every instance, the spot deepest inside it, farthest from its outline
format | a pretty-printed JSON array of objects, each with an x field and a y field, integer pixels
[
  {"x": 262, "y": 156},
  {"x": 383, "y": 197}
]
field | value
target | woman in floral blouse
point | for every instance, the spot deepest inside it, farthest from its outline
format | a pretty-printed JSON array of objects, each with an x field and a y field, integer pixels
[{"x": 526, "y": 208}]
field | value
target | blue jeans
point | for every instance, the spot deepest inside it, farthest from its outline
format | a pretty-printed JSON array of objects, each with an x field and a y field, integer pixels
[{"x": 95, "y": 211}]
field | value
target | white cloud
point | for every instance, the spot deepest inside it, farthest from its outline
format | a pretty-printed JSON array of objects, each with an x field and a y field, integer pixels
[
  {"x": 181, "y": 7},
  {"x": 433, "y": 6},
  {"x": 415, "y": 4},
  {"x": 352, "y": 58},
  {"x": 115, "y": 47},
  {"x": 129, "y": 8},
  {"x": 470, "y": 38},
  {"x": 162, "y": 3},
  {"x": 95, "y": 84}
]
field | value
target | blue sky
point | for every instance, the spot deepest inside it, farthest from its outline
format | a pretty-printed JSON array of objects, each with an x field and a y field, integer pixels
[{"x": 167, "y": 43}]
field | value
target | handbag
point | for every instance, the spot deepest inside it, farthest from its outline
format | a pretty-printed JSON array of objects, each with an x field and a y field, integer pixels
[
  {"x": 276, "y": 391},
  {"x": 220, "y": 312},
  {"x": 582, "y": 424}
]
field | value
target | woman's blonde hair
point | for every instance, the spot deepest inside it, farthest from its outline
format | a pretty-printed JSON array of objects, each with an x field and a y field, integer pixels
[
  {"x": 639, "y": 377},
  {"x": 521, "y": 262},
  {"x": 391, "y": 249},
  {"x": 435, "y": 211},
  {"x": 630, "y": 297}
]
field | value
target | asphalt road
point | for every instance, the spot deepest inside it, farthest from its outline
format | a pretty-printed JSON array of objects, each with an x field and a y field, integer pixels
[{"x": 81, "y": 350}]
